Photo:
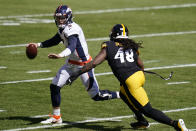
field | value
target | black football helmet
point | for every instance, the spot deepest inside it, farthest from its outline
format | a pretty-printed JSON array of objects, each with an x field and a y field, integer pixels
[
  {"x": 119, "y": 31},
  {"x": 63, "y": 16}
]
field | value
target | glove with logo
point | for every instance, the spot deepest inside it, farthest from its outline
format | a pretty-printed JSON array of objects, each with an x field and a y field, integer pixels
[{"x": 73, "y": 77}]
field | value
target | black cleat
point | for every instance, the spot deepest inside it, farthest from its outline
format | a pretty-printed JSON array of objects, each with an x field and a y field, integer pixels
[{"x": 140, "y": 124}]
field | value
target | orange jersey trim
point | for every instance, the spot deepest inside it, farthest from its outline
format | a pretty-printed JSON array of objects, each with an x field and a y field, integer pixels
[{"x": 80, "y": 63}]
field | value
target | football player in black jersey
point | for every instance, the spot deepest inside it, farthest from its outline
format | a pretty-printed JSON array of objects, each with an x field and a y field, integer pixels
[{"x": 123, "y": 57}]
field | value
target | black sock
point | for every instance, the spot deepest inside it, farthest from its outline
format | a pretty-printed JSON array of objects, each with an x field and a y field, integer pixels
[
  {"x": 156, "y": 115},
  {"x": 175, "y": 124}
]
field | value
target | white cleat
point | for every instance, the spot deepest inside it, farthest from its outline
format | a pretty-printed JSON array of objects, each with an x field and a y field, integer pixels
[
  {"x": 181, "y": 125},
  {"x": 53, "y": 120}
]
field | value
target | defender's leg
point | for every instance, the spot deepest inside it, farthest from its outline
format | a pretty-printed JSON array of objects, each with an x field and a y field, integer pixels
[{"x": 137, "y": 97}]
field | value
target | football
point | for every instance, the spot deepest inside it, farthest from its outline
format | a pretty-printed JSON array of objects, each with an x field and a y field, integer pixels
[{"x": 31, "y": 51}]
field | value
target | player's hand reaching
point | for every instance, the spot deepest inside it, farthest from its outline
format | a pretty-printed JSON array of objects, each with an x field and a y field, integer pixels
[
  {"x": 54, "y": 56},
  {"x": 73, "y": 77},
  {"x": 36, "y": 45}
]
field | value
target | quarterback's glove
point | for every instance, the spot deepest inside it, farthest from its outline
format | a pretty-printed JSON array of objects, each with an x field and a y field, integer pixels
[{"x": 73, "y": 77}]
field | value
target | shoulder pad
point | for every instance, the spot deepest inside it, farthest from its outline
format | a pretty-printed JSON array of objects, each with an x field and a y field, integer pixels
[
  {"x": 103, "y": 45},
  {"x": 71, "y": 29},
  {"x": 138, "y": 52},
  {"x": 118, "y": 44}
]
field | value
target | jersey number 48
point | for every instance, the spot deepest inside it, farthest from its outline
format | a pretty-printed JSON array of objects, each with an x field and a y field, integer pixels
[{"x": 122, "y": 56}]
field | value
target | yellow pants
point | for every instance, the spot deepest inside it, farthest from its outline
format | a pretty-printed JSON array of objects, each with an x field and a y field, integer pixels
[{"x": 134, "y": 91}]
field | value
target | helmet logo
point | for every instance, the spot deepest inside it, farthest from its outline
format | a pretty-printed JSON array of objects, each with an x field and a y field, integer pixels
[
  {"x": 123, "y": 30},
  {"x": 119, "y": 31}
]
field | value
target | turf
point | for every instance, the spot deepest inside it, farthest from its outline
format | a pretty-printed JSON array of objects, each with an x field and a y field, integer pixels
[{"x": 25, "y": 99}]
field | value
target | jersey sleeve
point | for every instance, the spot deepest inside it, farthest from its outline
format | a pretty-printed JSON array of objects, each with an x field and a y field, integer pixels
[
  {"x": 72, "y": 42},
  {"x": 55, "y": 40}
]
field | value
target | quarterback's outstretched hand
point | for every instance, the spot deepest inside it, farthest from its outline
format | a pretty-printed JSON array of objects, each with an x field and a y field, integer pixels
[
  {"x": 36, "y": 45},
  {"x": 54, "y": 56}
]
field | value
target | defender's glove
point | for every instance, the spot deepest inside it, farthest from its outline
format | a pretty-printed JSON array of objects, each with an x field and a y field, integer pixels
[{"x": 73, "y": 77}]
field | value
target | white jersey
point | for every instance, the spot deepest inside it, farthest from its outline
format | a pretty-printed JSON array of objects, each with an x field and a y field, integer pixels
[
  {"x": 80, "y": 53},
  {"x": 77, "y": 50}
]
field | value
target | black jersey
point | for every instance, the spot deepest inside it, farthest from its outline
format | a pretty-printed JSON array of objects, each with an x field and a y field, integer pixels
[{"x": 122, "y": 63}]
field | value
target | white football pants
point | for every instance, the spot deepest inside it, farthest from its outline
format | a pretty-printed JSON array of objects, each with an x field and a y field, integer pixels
[{"x": 88, "y": 78}]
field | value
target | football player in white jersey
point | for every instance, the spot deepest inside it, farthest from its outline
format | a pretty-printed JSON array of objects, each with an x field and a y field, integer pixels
[{"x": 72, "y": 36}]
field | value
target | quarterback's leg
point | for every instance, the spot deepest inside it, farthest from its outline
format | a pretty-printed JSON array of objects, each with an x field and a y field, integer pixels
[
  {"x": 92, "y": 87},
  {"x": 55, "y": 87}
]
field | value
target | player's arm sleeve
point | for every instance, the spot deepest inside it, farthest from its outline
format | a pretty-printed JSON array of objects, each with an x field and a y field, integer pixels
[
  {"x": 140, "y": 63},
  {"x": 72, "y": 42},
  {"x": 55, "y": 40}
]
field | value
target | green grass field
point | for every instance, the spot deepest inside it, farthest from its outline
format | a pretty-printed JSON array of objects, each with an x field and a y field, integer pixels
[{"x": 168, "y": 33}]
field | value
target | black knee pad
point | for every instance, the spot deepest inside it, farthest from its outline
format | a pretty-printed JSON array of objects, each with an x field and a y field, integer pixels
[
  {"x": 55, "y": 95},
  {"x": 54, "y": 89}
]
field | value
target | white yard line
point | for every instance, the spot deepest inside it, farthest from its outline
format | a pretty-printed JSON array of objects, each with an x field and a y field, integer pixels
[
  {"x": 11, "y": 24},
  {"x": 39, "y": 116},
  {"x": 168, "y": 111},
  {"x": 3, "y": 67},
  {"x": 110, "y": 10},
  {"x": 137, "y": 9},
  {"x": 45, "y": 71},
  {"x": 164, "y": 34},
  {"x": 30, "y": 19},
  {"x": 148, "y": 35},
  {"x": 2, "y": 110},
  {"x": 100, "y": 74},
  {"x": 169, "y": 67},
  {"x": 132, "y": 36},
  {"x": 21, "y": 81},
  {"x": 151, "y": 61},
  {"x": 17, "y": 52},
  {"x": 40, "y": 71},
  {"x": 177, "y": 83},
  {"x": 96, "y": 120},
  {"x": 178, "y": 110},
  {"x": 9, "y": 46}
]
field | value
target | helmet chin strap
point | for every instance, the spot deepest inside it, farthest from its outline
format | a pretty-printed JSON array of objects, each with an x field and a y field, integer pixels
[{"x": 61, "y": 26}]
